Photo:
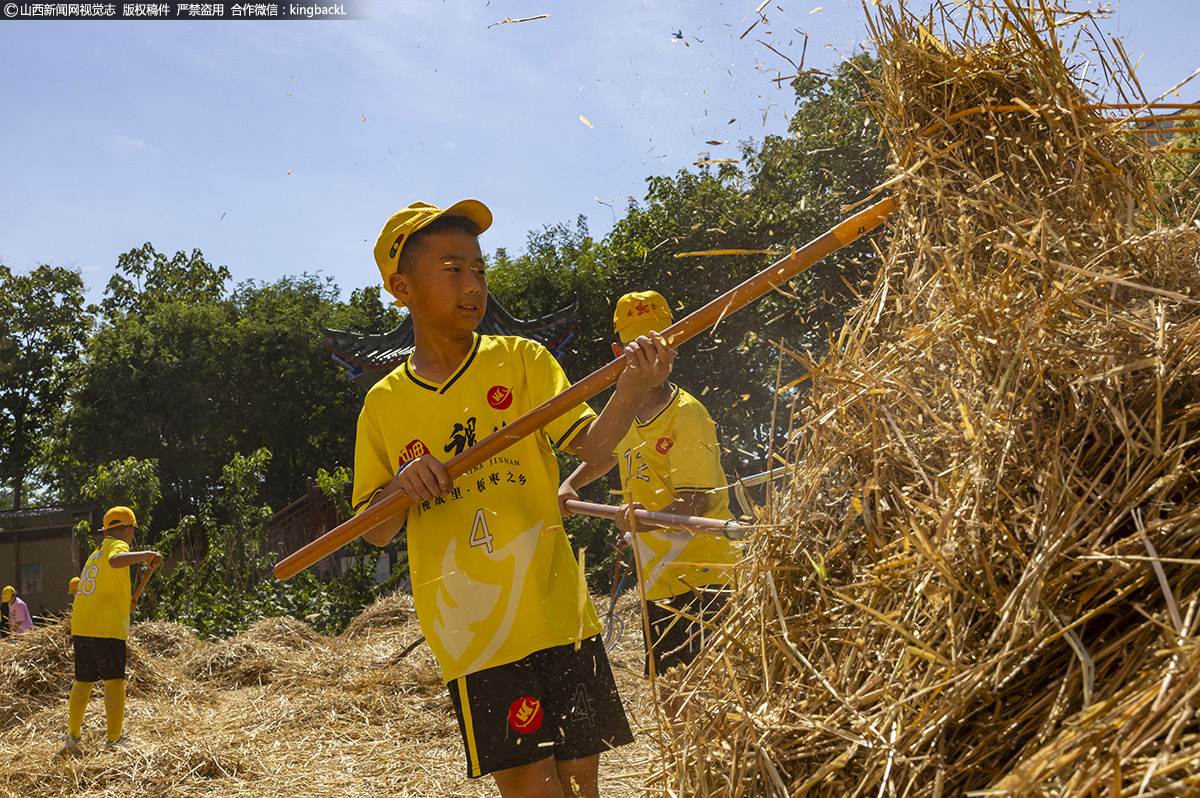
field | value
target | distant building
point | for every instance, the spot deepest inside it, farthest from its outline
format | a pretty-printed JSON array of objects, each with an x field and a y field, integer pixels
[
  {"x": 38, "y": 553},
  {"x": 1157, "y": 129}
]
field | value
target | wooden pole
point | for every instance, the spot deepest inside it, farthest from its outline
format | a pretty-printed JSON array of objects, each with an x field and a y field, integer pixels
[
  {"x": 141, "y": 585},
  {"x": 735, "y": 299},
  {"x": 693, "y": 523}
]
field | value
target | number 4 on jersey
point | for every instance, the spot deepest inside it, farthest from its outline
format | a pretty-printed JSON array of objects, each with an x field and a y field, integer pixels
[{"x": 480, "y": 536}]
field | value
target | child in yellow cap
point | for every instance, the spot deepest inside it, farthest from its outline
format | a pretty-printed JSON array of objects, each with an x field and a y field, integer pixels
[
  {"x": 495, "y": 582},
  {"x": 100, "y": 627},
  {"x": 19, "y": 619},
  {"x": 670, "y": 462}
]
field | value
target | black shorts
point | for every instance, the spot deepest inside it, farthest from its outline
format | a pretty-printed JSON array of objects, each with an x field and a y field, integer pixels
[
  {"x": 99, "y": 658},
  {"x": 676, "y": 640},
  {"x": 558, "y": 702}
]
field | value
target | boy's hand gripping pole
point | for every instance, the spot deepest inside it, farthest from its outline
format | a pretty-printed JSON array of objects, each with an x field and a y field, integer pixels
[{"x": 776, "y": 274}]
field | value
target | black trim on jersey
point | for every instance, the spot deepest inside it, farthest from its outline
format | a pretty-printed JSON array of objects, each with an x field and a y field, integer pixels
[
  {"x": 417, "y": 380},
  {"x": 671, "y": 401},
  {"x": 366, "y": 501},
  {"x": 566, "y": 435},
  {"x": 466, "y": 363}
]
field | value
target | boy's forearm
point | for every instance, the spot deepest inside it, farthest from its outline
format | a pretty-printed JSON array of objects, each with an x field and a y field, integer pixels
[
  {"x": 587, "y": 473},
  {"x": 128, "y": 558},
  {"x": 382, "y": 534},
  {"x": 595, "y": 443}
]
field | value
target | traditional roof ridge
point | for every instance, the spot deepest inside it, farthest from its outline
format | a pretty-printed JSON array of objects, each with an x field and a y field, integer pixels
[{"x": 366, "y": 357}]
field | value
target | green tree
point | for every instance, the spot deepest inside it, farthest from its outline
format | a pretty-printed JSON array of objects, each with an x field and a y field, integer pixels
[
  {"x": 129, "y": 482},
  {"x": 789, "y": 190},
  {"x": 222, "y": 583},
  {"x": 559, "y": 266},
  {"x": 42, "y": 327},
  {"x": 215, "y": 587},
  {"x": 1177, "y": 177},
  {"x": 187, "y": 373},
  {"x": 288, "y": 395},
  {"x": 833, "y": 155},
  {"x": 146, "y": 278}
]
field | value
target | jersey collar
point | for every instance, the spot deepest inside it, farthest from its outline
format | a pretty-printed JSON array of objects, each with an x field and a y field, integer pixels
[{"x": 420, "y": 382}]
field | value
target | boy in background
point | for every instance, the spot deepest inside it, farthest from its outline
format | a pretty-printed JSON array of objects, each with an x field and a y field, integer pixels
[
  {"x": 669, "y": 462},
  {"x": 496, "y": 585},
  {"x": 100, "y": 627}
]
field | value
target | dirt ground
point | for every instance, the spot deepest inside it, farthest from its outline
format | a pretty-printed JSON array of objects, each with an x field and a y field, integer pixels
[{"x": 280, "y": 710}]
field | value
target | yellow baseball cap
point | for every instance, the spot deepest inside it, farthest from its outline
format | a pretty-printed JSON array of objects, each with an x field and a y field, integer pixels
[
  {"x": 639, "y": 312},
  {"x": 407, "y": 221},
  {"x": 119, "y": 516},
  {"x": 9, "y": 592}
]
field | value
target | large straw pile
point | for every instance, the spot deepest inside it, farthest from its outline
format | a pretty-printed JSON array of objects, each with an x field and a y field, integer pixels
[{"x": 962, "y": 598}]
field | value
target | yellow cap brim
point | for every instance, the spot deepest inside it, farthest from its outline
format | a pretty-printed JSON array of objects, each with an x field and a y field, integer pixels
[{"x": 643, "y": 327}]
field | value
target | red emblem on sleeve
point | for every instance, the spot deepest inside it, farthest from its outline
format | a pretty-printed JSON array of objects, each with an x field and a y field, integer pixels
[
  {"x": 525, "y": 715},
  {"x": 664, "y": 445},
  {"x": 500, "y": 397}
]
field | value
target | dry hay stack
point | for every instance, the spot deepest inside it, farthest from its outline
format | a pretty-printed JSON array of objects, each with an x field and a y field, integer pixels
[
  {"x": 35, "y": 669},
  {"x": 387, "y": 612},
  {"x": 959, "y": 598},
  {"x": 333, "y": 717},
  {"x": 163, "y": 639},
  {"x": 38, "y": 668},
  {"x": 271, "y": 649}
]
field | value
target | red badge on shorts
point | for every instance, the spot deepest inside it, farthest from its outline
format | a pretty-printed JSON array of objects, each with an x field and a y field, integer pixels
[
  {"x": 525, "y": 715},
  {"x": 664, "y": 445},
  {"x": 500, "y": 397}
]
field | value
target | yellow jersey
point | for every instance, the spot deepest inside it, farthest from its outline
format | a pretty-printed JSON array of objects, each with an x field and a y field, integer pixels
[
  {"x": 101, "y": 607},
  {"x": 493, "y": 575},
  {"x": 677, "y": 452}
]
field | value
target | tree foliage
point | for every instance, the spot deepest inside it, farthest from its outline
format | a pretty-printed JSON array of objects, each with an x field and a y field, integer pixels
[
  {"x": 184, "y": 372},
  {"x": 1177, "y": 176},
  {"x": 221, "y": 582},
  {"x": 42, "y": 327},
  {"x": 560, "y": 266},
  {"x": 130, "y": 482},
  {"x": 788, "y": 190}
]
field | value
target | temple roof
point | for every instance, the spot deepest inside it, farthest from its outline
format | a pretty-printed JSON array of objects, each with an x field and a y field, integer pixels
[{"x": 367, "y": 358}]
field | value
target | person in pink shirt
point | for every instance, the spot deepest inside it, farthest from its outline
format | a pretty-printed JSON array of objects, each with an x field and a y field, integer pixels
[{"x": 19, "y": 619}]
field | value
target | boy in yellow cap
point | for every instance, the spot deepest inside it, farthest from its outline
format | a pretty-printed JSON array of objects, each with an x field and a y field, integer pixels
[
  {"x": 669, "y": 462},
  {"x": 100, "y": 627},
  {"x": 19, "y": 619},
  {"x": 495, "y": 582}
]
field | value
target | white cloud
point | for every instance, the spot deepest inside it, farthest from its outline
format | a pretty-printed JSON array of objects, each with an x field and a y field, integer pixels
[{"x": 128, "y": 143}]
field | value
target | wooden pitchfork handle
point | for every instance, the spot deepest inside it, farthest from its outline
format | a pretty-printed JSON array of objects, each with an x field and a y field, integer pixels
[
  {"x": 141, "y": 586},
  {"x": 776, "y": 274},
  {"x": 693, "y": 523}
]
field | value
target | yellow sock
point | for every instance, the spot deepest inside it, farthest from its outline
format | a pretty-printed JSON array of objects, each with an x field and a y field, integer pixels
[
  {"x": 114, "y": 707},
  {"x": 76, "y": 706}
]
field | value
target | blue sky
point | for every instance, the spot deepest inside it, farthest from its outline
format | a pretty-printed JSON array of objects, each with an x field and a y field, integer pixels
[{"x": 278, "y": 148}]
